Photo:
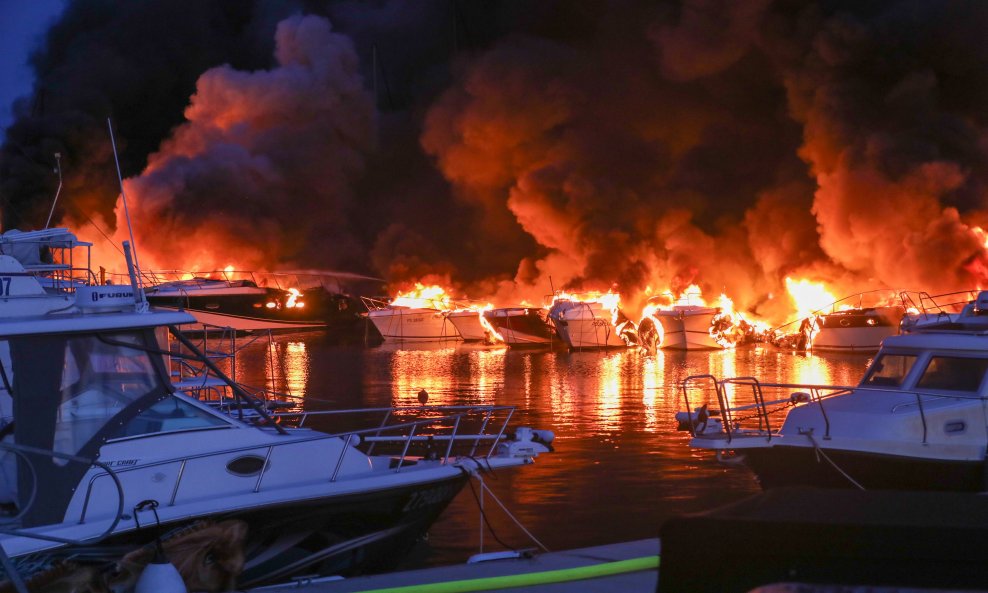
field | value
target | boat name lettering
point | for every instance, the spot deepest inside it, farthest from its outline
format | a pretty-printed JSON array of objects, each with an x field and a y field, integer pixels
[
  {"x": 5, "y": 285},
  {"x": 121, "y": 462},
  {"x": 110, "y": 295},
  {"x": 430, "y": 497}
]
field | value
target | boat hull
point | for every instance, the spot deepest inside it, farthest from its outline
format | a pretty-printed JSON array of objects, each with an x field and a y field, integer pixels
[
  {"x": 781, "y": 466},
  {"x": 585, "y": 325},
  {"x": 244, "y": 323},
  {"x": 687, "y": 330},
  {"x": 467, "y": 324},
  {"x": 521, "y": 327},
  {"x": 858, "y": 330},
  {"x": 413, "y": 324},
  {"x": 342, "y": 535}
]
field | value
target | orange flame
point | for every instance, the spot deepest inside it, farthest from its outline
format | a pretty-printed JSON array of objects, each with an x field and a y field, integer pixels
[
  {"x": 808, "y": 296},
  {"x": 424, "y": 297}
]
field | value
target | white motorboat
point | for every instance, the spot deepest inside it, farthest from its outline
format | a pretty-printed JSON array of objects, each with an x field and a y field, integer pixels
[
  {"x": 856, "y": 323},
  {"x": 856, "y": 330},
  {"x": 398, "y": 322},
  {"x": 688, "y": 327},
  {"x": 916, "y": 421},
  {"x": 469, "y": 323},
  {"x": 589, "y": 324},
  {"x": 523, "y": 327},
  {"x": 95, "y": 437}
]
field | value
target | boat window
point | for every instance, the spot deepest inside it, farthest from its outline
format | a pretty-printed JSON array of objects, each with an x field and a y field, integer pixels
[
  {"x": 99, "y": 379},
  {"x": 170, "y": 414},
  {"x": 889, "y": 370},
  {"x": 953, "y": 373}
]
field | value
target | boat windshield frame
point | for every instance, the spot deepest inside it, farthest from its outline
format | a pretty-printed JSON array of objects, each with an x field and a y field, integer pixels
[{"x": 71, "y": 392}]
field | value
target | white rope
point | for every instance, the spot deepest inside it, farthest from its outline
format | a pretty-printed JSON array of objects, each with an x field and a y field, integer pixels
[
  {"x": 483, "y": 487},
  {"x": 820, "y": 453}
]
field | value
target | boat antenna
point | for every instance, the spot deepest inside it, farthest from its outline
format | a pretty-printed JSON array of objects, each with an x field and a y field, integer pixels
[
  {"x": 123, "y": 195},
  {"x": 58, "y": 169}
]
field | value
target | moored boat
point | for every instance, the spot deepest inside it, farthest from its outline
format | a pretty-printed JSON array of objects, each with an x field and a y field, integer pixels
[
  {"x": 590, "y": 323},
  {"x": 914, "y": 422},
  {"x": 469, "y": 323},
  {"x": 101, "y": 454},
  {"x": 521, "y": 327},
  {"x": 688, "y": 327}
]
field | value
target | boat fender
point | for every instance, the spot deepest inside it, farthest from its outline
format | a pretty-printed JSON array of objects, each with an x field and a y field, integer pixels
[
  {"x": 160, "y": 576},
  {"x": 799, "y": 397}
]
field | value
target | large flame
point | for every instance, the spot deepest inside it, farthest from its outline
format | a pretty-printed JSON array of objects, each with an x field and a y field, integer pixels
[
  {"x": 424, "y": 297},
  {"x": 809, "y": 297}
]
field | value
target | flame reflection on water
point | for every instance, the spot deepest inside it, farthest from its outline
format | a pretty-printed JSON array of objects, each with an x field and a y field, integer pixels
[{"x": 620, "y": 467}]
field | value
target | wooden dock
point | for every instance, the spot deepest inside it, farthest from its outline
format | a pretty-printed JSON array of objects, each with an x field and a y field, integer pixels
[{"x": 629, "y": 567}]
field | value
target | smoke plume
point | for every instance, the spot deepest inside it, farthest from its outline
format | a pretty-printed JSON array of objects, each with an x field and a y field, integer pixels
[{"x": 512, "y": 149}]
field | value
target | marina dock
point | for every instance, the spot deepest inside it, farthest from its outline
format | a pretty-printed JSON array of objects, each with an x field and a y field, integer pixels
[{"x": 630, "y": 567}]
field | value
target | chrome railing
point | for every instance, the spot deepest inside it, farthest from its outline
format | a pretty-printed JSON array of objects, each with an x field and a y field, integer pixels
[{"x": 403, "y": 434}]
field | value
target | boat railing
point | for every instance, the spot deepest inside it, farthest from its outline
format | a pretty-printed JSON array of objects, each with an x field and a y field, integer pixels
[
  {"x": 750, "y": 416},
  {"x": 403, "y": 434},
  {"x": 923, "y": 306}
]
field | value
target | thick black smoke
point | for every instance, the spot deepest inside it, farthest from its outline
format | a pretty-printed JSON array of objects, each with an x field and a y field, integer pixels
[{"x": 631, "y": 144}]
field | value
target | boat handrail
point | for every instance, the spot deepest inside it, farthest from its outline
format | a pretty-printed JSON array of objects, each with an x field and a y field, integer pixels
[
  {"x": 410, "y": 426},
  {"x": 938, "y": 304},
  {"x": 762, "y": 407}
]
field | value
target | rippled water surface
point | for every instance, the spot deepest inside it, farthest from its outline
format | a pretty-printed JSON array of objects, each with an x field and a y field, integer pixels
[{"x": 620, "y": 467}]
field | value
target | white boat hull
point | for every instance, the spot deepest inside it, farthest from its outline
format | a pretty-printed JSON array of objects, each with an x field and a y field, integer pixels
[
  {"x": 468, "y": 325},
  {"x": 240, "y": 323},
  {"x": 585, "y": 325},
  {"x": 688, "y": 329},
  {"x": 857, "y": 330},
  {"x": 413, "y": 324}
]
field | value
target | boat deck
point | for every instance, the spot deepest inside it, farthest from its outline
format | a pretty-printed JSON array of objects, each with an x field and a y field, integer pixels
[{"x": 630, "y": 567}]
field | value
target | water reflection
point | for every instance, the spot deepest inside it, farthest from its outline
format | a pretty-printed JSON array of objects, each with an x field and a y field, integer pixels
[{"x": 620, "y": 467}]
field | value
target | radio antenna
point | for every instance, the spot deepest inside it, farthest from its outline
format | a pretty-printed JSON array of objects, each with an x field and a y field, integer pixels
[
  {"x": 123, "y": 195},
  {"x": 58, "y": 169}
]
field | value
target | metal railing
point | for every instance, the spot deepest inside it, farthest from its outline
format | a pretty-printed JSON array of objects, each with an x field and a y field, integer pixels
[
  {"x": 403, "y": 434},
  {"x": 753, "y": 417}
]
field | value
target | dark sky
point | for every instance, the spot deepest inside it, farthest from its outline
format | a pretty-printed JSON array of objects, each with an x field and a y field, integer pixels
[
  {"x": 505, "y": 147},
  {"x": 22, "y": 26}
]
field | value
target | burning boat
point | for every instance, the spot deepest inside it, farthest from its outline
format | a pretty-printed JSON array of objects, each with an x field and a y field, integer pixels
[
  {"x": 521, "y": 327},
  {"x": 418, "y": 315},
  {"x": 690, "y": 324},
  {"x": 591, "y": 321},
  {"x": 469, "y": 321},
  {"x": 857, "y": 323},
  {"x": 256, "y": 301}
]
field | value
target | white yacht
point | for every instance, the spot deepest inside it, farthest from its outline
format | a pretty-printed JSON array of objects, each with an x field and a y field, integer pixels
[
  {"x": 916, "y": 421},
  {"x": 589, "y": 324},
  {"x": 95, "y": 437},
  {"x": 688, "y": 327},
  {"x": 428, "y": 321}
]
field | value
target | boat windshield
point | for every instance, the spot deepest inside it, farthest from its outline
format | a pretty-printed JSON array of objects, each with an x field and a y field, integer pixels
[
  {"x": 70, "y": 392},
  {"x": 953, "y": 373},
  {"x": 889, "y": 370}
]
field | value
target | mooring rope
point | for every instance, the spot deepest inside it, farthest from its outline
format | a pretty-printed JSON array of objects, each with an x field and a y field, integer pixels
[{"x": 821, "y": 453}]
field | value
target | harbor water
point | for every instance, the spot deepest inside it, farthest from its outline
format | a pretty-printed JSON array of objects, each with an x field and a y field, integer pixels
[{"x": 620, "y": 466}]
